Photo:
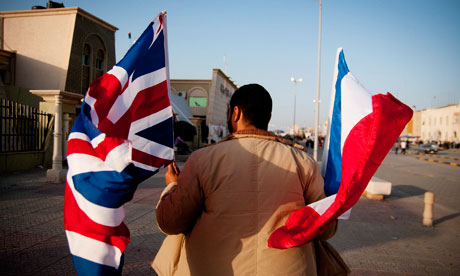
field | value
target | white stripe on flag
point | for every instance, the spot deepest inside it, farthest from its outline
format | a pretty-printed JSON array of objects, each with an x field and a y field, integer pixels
[
  {"x": 116, "y": 160},
  {"x": 356, "y": 104},
  {"x": 97, "y": 140},
  {"x": 79, "y": 135},
  {"x": 322, "y": 205},
  {"x": 124, "y": 101},
  {"x": 146, "y": 145},
  {"x": 150, "y": 120},
  {"x": 106, "y": 216},
  {"x": 93, "y": 250},
  {"x": 91, "y": 101},
  {"x": 120, "y": 73}
]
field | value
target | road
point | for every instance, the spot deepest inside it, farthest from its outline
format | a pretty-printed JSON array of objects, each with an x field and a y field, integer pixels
[
  {"x": 387, "y": 237},
  {"x": 380, "y": 238}
]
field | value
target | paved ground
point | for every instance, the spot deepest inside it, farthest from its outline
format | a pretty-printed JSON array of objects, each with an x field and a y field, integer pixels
[{"x": 381, "y": 237}]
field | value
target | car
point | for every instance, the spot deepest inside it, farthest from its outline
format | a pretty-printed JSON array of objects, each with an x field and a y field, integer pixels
[{"x": 428, "y": 148}]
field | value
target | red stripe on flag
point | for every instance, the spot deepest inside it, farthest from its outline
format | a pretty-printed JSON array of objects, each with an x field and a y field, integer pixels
[
  {"x": 148, "y": 159},
  {"x": 105, "y": 90},
  {"x": 147, "y": 102},
  {"x": 85, "y": 147},
  {"x": 80, "y": 146},
  {"x": 77, "y": 221}
]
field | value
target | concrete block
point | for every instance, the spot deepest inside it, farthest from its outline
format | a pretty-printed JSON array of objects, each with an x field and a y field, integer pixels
[{"x": 378, "y": 186}]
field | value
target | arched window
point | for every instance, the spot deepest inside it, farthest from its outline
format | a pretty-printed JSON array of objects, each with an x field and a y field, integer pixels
[
  {"x": 94, "y": 60},
  {"x": 100, "y": 60},
  {"x": 198, "y": 98},
  {"x": 86, "y": 68},
  {"x": 99, "y": 63},
  {"x": 86, "y": 55}
]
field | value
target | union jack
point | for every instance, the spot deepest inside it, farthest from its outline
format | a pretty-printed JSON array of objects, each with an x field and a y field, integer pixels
[{"x": 123, "y": 135}]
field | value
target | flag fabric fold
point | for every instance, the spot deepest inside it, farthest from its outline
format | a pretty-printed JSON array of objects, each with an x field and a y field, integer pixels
[
  {"x": 123, "y": 135},
  {"x": 362, "y": 130}
]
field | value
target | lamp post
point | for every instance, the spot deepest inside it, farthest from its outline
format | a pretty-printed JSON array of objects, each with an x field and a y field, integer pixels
[
  {"x": 315, "y": 147},
  {"x": 295, "y": 81}
]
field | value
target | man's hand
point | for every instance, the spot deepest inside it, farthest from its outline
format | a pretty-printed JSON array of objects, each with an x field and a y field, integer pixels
[{"x": 172, "y": 173}]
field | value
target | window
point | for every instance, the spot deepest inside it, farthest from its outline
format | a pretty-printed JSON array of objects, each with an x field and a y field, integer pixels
[
  {"x": 99, "y": 66},
  {"x": 197, "y": 97},
  {"x": 100, "y": 60},
  {"x": 198, "y": 101},
  {"x": 86, "y": 55},
  {"x": 86, "y": 69}
]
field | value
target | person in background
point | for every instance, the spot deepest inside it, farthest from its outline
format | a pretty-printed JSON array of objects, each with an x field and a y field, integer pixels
[
  {"x": 181, "y": 145},
  {"x": 403, "y": 146}
]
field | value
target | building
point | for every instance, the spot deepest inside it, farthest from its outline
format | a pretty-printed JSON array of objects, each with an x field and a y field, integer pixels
[
  {"x": 60, "y": 48},
  {"x": 440, "y": 124},
  {"x": 48, "y": 58},
  {"x": 208, "y": 101}
]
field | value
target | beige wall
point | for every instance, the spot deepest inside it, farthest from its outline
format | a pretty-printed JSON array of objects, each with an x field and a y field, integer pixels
[
  {"x": 441, "y": 124},
  {"x": 42, "y": 41},
  {"x": 416, "y": 126},
  {"x": 193, "y": 86},
  {"x": 222, "y": 89}
]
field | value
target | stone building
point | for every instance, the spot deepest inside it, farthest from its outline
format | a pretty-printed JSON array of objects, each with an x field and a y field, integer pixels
[
  {"x": 48, "y": 58},
  {"x": 208, "y": 101},
  {"x": 441, "y": 124},
  {"x": 60, "y": 48}
]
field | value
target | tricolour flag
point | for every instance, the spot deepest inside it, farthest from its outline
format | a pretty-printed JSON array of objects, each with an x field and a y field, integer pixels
[
  {"x": 362, "y": 130},
  {"x": 122, "y": 136}
]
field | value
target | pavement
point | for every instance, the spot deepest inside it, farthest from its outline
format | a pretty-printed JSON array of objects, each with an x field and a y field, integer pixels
[{"x": 380, "y": 238}]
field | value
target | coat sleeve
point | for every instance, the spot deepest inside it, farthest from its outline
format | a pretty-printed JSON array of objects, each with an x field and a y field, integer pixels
[
  {"x": 180, "y": 206},
  {"x": 314, "y": 191}
]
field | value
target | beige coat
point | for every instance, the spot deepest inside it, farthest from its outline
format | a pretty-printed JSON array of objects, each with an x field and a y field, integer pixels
[{"x": 229, "y": 198}]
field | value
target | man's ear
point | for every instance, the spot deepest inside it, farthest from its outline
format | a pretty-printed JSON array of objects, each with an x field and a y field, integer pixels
[{"x": 236, "y": 114}]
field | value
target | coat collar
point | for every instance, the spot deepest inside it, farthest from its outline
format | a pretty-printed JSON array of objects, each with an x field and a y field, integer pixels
[{"x": 260, "y": 134}]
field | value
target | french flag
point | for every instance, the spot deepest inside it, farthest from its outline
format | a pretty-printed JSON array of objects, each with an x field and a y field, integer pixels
[{"x": 362, "y": 129}]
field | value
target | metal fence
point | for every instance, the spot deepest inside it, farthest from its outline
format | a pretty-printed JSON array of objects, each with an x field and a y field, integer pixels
[{"x": 23, "y": 128}]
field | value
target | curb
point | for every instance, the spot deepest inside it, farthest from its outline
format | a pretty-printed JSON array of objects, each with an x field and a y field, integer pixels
[
  {"x": 440, "y": 156},
  {"x": 438, "y": 161}
]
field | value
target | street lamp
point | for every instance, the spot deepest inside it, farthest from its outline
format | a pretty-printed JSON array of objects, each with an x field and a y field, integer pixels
[
  {"x": 315, "y": 147},
  {"x": 295, "y": 82}
]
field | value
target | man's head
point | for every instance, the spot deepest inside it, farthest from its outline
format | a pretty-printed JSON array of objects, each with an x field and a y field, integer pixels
[{"x": 252, "y": 105}]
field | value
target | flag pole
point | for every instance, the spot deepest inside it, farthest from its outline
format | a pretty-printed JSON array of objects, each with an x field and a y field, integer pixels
[{"x": 315, "y": 147}]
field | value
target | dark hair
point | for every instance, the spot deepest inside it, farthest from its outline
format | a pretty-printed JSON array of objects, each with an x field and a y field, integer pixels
[{"x": 256, "y": 104}]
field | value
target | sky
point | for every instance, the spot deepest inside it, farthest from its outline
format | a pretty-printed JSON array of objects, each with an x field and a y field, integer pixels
[{"x": 409, "y": 48}]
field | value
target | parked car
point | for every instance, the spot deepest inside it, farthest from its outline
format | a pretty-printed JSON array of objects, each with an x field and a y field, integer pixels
[{"x": 428, "y": 148}]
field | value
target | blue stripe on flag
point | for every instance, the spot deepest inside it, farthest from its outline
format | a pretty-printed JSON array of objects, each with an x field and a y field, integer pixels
[
  {"x": 334, "y": 161},
  {"x": 138, "y": 51},
  {"x": 85, "y": 267},
  {"x": 159, "y": 133},
  {"x": 153, "y": 60},
  {"x": 84, "y": 125},
  {"x": 110, "y": 189}
]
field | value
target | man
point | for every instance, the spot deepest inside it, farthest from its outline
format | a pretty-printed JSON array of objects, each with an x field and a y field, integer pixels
[
  {"x": 232, "y": 195},
  {"x": 403, "y": 146}
]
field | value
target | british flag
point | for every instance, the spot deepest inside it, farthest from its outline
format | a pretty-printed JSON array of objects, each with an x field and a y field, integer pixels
[{"x": 123, "y": 135}]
